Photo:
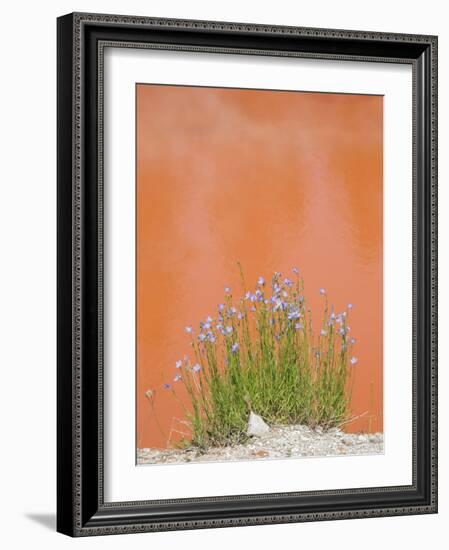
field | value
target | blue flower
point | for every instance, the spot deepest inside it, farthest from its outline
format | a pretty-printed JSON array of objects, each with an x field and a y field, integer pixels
[
  {"x": 288, "y": 282},
  {"x": 221, "y": 307},
  {"x": 227, "y": 289},
  {"x": 235, "y": 347},
  {"x": 294, "y": 314},
  {"x": 178, "y": 364},
  {"x": 167, "y": 386},
  {"x": 350, "y": 306},
  {"x": 323, "y": 332},
  {"x": 298, "y": 326},
  {"x": 189, "y": 330},
  {"x": 228, "y": 330},
  {"x": 353, "y": 341},
  {"x": 322, "y": 291},
  {"x": 210, "y": 336},
  {"x": 201, "y": 337},
  {"x": 354, "y": 360},
  {"x": 196, "y": 368},
  {"x": 177, "y": 378},
  {"x": 261, "y": 281},
  {"x": 295, "y": 271},
  {"x": 279, "y": 304}
]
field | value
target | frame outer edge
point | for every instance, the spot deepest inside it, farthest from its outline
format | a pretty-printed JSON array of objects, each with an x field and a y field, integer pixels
[
  {"x": 433, "y": 273},
  {"x": 230, "y": 26},
  {"x": 65, "y": 245}
]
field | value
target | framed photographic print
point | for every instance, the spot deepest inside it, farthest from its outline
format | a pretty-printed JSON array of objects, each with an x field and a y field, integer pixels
[{"x": 247, "y": 281}]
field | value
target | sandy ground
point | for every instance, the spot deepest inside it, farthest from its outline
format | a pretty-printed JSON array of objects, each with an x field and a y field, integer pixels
[{"x": 280, "y": 442}]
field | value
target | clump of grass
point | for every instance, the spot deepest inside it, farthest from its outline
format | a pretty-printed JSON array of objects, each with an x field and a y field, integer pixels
[{"x": 260, "y": 353}]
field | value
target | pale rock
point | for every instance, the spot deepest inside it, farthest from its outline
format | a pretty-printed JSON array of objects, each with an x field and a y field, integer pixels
[{"x": 256, "y": 425}]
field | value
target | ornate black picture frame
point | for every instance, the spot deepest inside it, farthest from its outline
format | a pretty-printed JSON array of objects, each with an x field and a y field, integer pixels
[{"x": 81, "y": 509}]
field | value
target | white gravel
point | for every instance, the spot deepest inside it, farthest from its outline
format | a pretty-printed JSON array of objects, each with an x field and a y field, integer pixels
[{"x": 279, "y": 442}]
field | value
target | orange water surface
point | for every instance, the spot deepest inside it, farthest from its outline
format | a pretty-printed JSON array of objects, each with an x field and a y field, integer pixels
[{"x": 271, "y": 179}]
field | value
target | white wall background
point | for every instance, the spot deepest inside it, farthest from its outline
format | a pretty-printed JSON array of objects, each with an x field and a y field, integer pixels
[{"x": 28, "y": 268}]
